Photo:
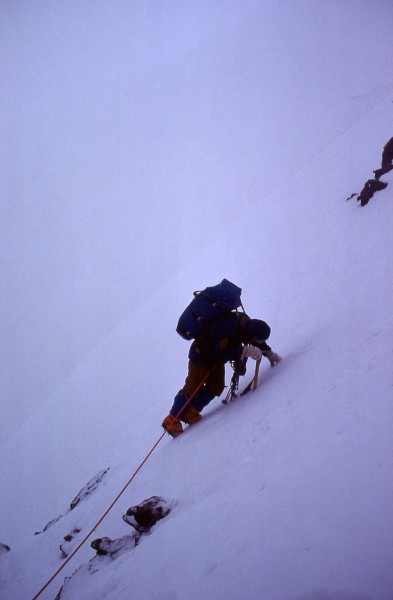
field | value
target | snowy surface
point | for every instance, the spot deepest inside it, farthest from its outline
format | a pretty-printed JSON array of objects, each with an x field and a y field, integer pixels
[{"x": 149, "y": 150}]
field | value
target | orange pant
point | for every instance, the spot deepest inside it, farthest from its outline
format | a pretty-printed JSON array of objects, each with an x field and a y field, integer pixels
[{"x": 215, "y": 382}]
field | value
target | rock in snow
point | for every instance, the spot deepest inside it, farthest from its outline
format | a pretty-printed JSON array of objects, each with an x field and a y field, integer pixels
[
  {"x": 88, "y": 489},
  {"x": 105, "y": 546},
  {"x": 142, "y": 518},
  {"x": 146, "y": 514},
  {"x": 4, "y": 549},
  {"x": 69, "y": 544}
]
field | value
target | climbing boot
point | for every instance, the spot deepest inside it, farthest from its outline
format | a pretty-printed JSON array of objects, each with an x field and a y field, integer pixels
[
  {"x": 172, "y": 425},
  {"x": 190, "y": 416}
]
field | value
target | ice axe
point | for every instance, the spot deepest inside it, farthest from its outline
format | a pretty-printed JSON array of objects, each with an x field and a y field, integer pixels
[{"x": 254, "y": 381}]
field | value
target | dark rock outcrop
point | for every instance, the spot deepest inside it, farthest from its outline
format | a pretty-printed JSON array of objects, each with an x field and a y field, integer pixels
[
  {"x": 87, "y": 490},
  {"x": 4, "y": 549},
  {"x": 143, "y": 516},
  {"x": 68, "y": 545},
  {"x": 105, "y": 546}
]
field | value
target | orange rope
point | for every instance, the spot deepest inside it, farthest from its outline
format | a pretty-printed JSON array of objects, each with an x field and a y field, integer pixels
[{"x": 117, "y": 497}]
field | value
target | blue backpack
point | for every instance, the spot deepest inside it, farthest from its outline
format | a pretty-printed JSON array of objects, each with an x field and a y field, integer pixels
[{"x": 211, "y": 302}]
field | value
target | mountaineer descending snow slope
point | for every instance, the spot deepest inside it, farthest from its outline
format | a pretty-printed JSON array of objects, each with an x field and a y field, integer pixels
[{"x": 149, "y": 183}]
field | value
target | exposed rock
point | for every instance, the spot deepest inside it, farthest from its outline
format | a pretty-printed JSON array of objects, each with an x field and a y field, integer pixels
[
  {"x": 67, "y": 547},
  {"x": 77, "y": 579},
  {"x": 143, "y": 516},
  {"x": 4, "y": 549},
  {"x": 105, "y": 546},
  {"x": 88, "y": 488},
  {"x": 48, "y": 525}
]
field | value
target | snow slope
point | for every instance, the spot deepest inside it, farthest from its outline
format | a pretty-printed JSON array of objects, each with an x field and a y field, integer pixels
[
  {"x": 286, "y": 493},
  {"x": 130, "y": 125}
]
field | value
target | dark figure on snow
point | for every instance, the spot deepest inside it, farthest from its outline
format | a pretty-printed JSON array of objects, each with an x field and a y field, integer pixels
[
  {"x": 386, "y": 161},
  {"x": 232, "y": 337}
]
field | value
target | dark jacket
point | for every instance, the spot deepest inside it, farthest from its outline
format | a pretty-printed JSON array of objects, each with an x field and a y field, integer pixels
[{"x": 223, "y": 341}]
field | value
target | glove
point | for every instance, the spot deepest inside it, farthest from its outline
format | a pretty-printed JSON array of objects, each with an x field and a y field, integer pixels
[
  {"x": 273, "y": 358},
  {"x": 251, "y": 352}
]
